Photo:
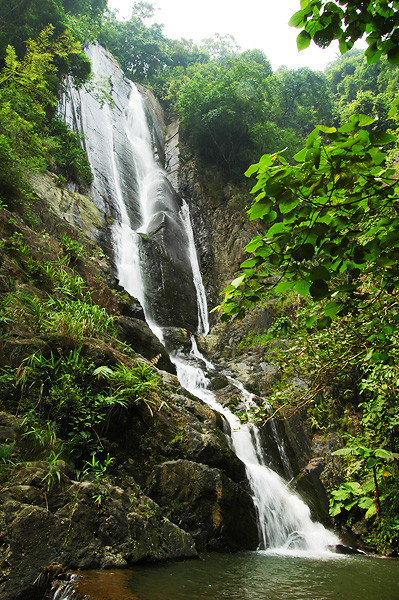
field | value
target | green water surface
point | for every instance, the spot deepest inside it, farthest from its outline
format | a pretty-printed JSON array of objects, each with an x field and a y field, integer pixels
[{"x": 259, "y": 576}]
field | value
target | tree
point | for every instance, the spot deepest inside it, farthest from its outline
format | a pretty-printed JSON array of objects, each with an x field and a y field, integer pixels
[
  {"x": 220, "y": 106},
  {"x": 362, "y": 88},
  {"x": 25, "y": 20},
  {"x": 301, "y": 99},
  {"x": 347, "y": 21},
  {"x": 141, "y": 50},
  {"x": 26, "y": 96},
  {"x": 318, "y": 215}
]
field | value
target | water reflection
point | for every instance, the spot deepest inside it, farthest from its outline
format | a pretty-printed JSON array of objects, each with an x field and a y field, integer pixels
[{"x": 256, "y": 576}]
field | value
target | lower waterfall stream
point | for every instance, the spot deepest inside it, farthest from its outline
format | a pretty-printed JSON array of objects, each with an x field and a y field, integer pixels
[{"x": 284, "y": 522}]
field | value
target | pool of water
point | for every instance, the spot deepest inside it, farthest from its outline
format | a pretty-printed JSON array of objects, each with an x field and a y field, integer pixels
[{"x": 254, "y": 576}]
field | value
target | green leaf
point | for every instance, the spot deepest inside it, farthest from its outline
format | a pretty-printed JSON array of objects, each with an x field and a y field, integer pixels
[
  {"x": 336, "y": 509},
  {"x": 300, "y": 156},
  {"x": 320, "y": 272},
  {"x": 283, "y": 286},
  {"x": 366, "y": 502},
  {"x": 276, "y": 229},
  {"x": 372, "y": 511},
  {"x": 393, "y": 55},
  {"x": 319, "y": 289},
  {"x": 258, "y": 210},
  {"x": 332, "y": 308},
  {"x": 344, "y": 452},
  {"x": 350, "y": 504},
  {"x": 323, "y": 323},
  {"x": 382, "y": 453},
  {"x": 237, "y": 281},
  {"x": 302, "y": 287},
  {"x": 250, "y": 262},
  {"x": 311, "y": 319},
  {"x": 254, "y": 244},
  {"x": 364, "y": 120},
  {"x": 381, "y": 137},
  {"x": 251, "y": 170},
  {"x": 297, "y": 19},
  {"x": 325, "y": 129},
  {"x": 303, "y": 252},
  {"x": 303, "y": 40},
  {"x": 286, "y": 207}
]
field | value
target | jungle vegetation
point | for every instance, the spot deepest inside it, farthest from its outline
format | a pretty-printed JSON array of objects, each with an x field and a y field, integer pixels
[{"x": 330, "y": 234}]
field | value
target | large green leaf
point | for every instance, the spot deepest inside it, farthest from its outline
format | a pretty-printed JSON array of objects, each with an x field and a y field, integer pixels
[
  {"x": 320, "y": 272},
  {"x": 303, "y": 40},
  {"x": 319, "y": 289}
]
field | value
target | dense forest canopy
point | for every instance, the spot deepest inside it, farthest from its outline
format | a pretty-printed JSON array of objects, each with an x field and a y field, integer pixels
[{"x": 324, "y": 152}]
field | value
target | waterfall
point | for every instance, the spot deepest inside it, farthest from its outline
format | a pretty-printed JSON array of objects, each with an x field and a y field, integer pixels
[
  {"x": 284, "y": 521},
  {"x": 203, "y": 321},
  {"x": 150, "y": 212}
]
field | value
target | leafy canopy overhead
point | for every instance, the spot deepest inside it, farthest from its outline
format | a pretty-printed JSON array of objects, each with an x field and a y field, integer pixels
[
  {"x": 327, "y": 219},
  {"x": 333, "y": 217},
  {"x": 348, "y": 21}
]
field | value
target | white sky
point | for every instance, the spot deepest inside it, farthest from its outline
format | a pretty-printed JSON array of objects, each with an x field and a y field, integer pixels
[{"x": 261, "y": 24}]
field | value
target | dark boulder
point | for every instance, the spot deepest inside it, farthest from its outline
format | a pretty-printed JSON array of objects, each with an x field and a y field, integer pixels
[
  {"x": 139, "y": 336},
  {"x": 91, "y": 525},
  {"x": 217, "y": 512},
  {"x": 309, "y": 486},
  {"x": 170, "y": 291}
]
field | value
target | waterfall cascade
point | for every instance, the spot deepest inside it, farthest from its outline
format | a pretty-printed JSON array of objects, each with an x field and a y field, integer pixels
[{"x": 119, "y": 146}]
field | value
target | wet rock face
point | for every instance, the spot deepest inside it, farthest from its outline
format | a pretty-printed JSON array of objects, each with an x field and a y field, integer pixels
[
  {"x": 107, "y": 126},
  {"x": 170, "y": 292},
  {"x": 137, "y": 334},
  {"x": 221, "y": 225},
  {"x": 216, "y": 511},
  {"x": 110, "y": 132},
  {"x": 85, "y": 525}
]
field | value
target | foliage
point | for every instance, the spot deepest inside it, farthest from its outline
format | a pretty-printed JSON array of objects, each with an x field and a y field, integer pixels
[
  {"x": 5, "y": 451},
  {"x": 300, "y": 99},
  {"x": 331, "y": 218},
  {"x": 348, "y": 21},
  {"x": 281, "y": 327},
  {"x": 218, "y": 105},
  {"x": 330, "y": 227},
  {"x": 141, "y": 50},
  {"x": 132, "y": 384},
  {"x": 65, "y": 318},
  {"x": 231, "y": 110},
  {"x": 66, "y": 155},
  {"x": 72, "y": 249},
  {"x": 26, "y": 96},
  {"x": 68, "y": 403},
  {"x": 24, "y": 20}
]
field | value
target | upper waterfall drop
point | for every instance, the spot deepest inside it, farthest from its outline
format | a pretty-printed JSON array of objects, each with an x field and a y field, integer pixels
[
  {"x": 134, "y": 190},
  {"x": 156, "y": 262},
  {"x": 203, "y": 320}
]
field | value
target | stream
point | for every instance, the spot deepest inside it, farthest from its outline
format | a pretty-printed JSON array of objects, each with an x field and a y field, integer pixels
[{"x": 250, "y": 576}]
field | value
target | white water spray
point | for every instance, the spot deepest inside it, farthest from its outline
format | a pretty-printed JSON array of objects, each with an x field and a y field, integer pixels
[
  {"x": 284, "y": 521},
  {"x": 203, "y": 321}
]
